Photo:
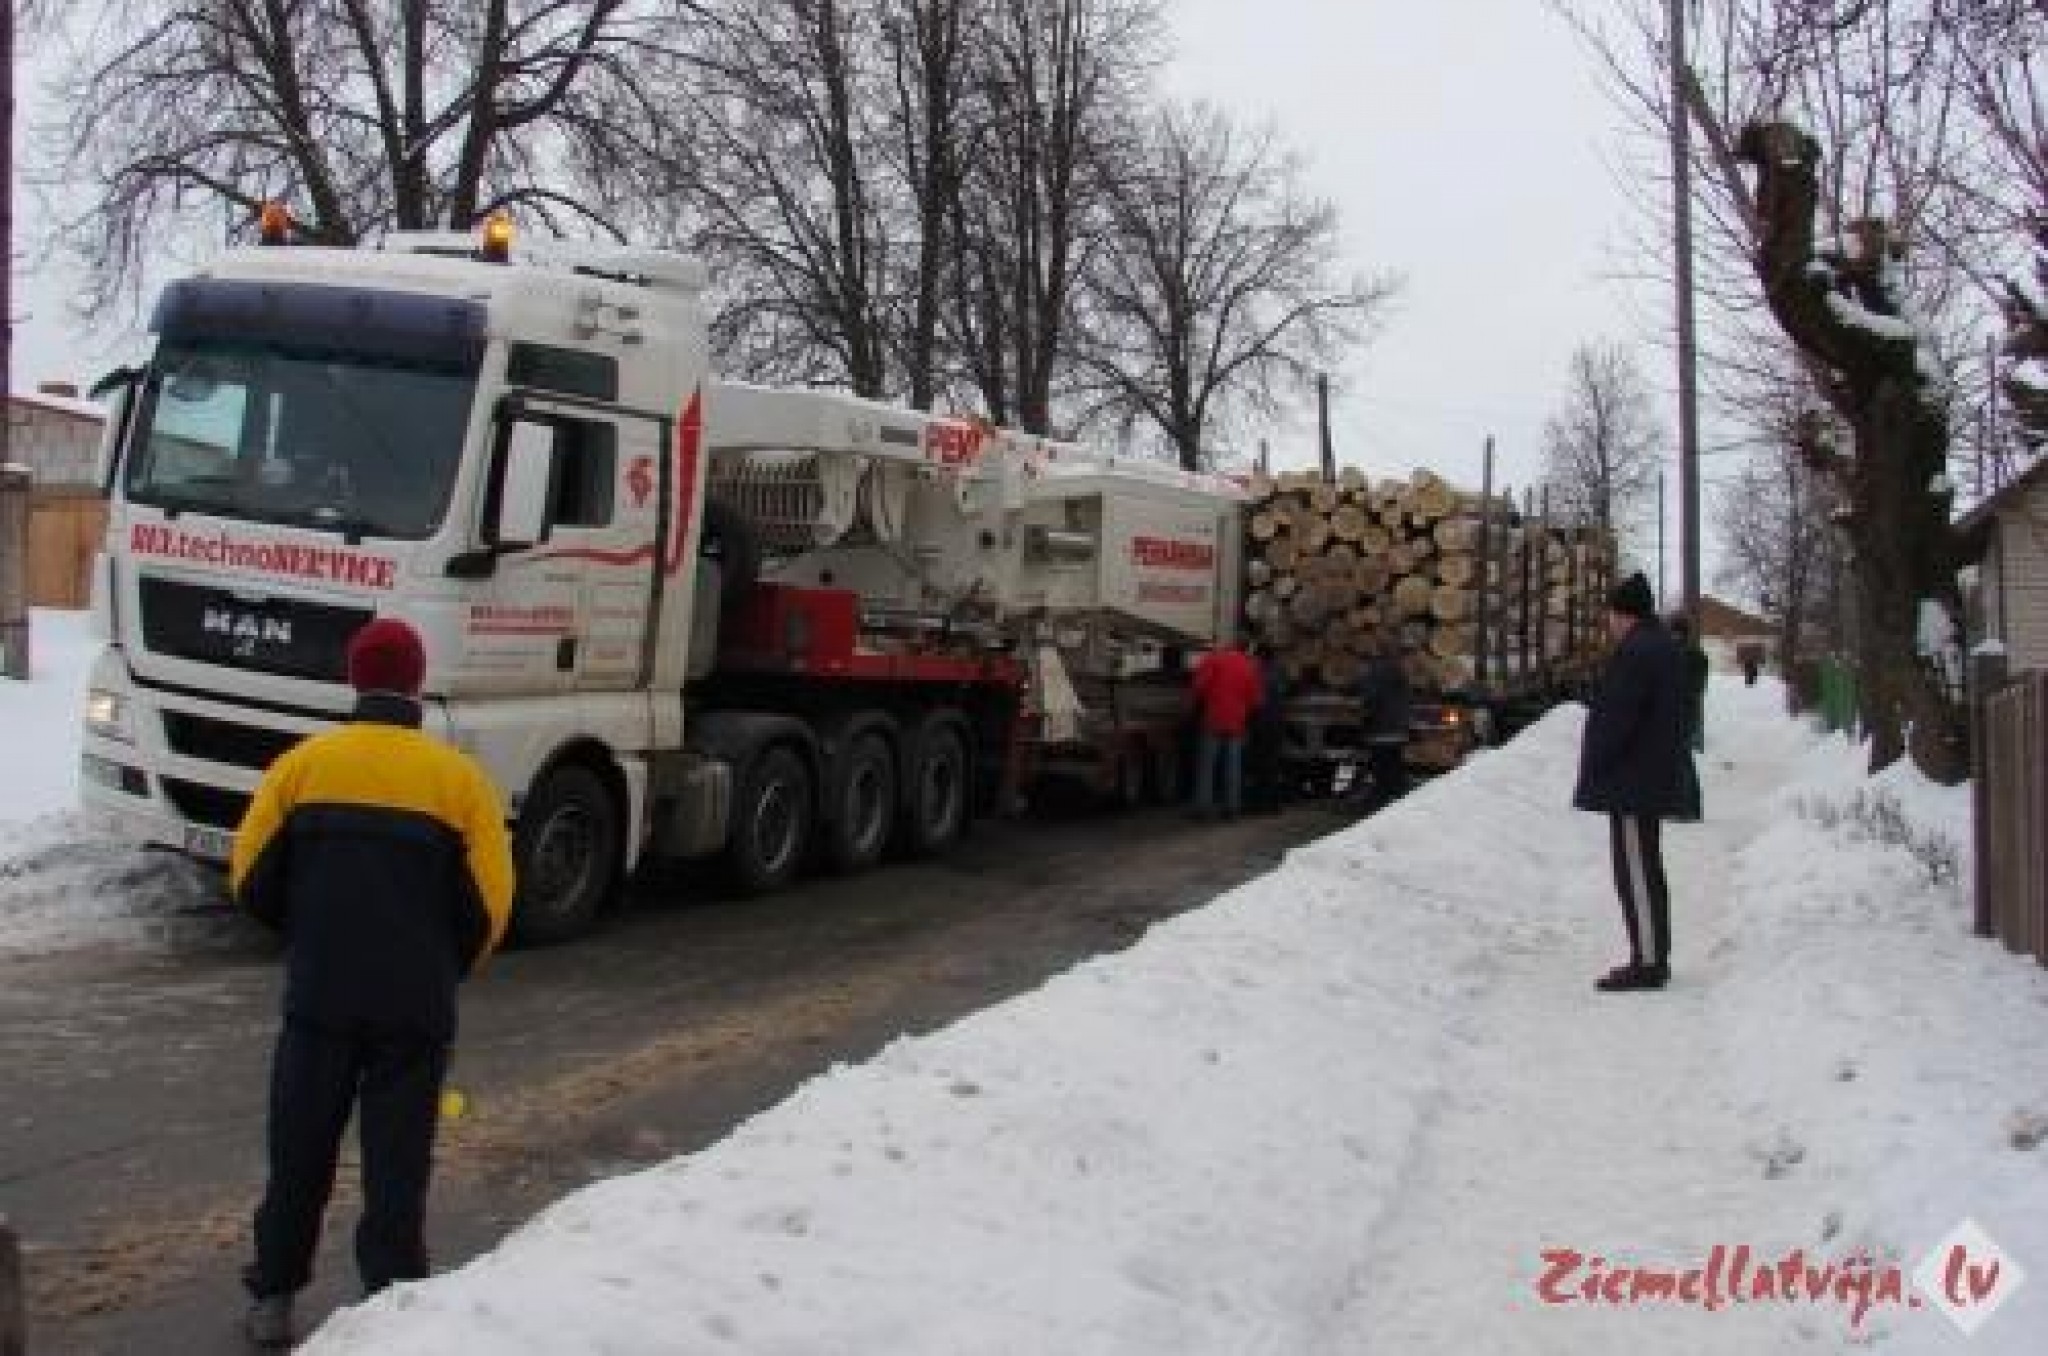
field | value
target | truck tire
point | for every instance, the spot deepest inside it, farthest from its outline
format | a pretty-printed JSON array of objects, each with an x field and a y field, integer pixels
[
  {"x": 772, "y": 818},
  {"x": 567, "y": 849},
  {"x": 861, "y": 803},
  {"x": 935, "y": 799}
]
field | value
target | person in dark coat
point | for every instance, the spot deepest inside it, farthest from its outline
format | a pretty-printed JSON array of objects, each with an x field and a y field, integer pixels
[
  {"x": 1387, "y": 709},
  {"x": 1265, "y": 775},
  {"x": 1635, "y": 768},
  {"x": 381, "y": 855}
]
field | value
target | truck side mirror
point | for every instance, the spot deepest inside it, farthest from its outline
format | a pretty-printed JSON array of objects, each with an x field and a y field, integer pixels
[
  {"x": 122, "y": 384},
  {"x": 522, "y": 518}
]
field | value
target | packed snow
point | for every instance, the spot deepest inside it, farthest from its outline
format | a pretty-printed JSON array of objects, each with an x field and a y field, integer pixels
[
  {"x": 1370, "y": 1102},
  {"x": 65, "y": 881},
  {"x": 1350, "y": 1107}
]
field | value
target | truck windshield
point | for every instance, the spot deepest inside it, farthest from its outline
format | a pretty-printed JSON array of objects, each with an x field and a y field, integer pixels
[{"x": 360, "y": 444}]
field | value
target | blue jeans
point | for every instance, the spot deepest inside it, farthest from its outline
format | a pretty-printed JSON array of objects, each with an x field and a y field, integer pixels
[{"x": 1230, "y": 750}]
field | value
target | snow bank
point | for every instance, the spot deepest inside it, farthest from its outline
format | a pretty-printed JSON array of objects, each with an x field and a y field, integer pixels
[
  {"x": 66, "y": 880},
  {"x": 1906, "y": 1076},
  {"x": 40, "y": 717},
  {"x": 1182, "y": 1147},
  {"x": 1240, "y": 1135}
]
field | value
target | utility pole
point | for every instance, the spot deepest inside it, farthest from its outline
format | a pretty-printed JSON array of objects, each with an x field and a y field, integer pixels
[
  {"x": 1485, "y": 646},
  {"x": 14, "y": 481},
  {"x": 1329, "y": 452},
  {"x": 1265, "y": 458},
  {"x": 1991, "y": 457},
  {"x": 1688, "y": 338},
  {"x": 1663, "y": 591}
]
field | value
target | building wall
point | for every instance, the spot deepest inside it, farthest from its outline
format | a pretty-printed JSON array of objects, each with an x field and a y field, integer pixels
[
  {"x": 59, "y": 446},
  {"x": 57, "y": 436},
  {"x": 65, "y": 530},
  {"x": 2018, "y": 580}
]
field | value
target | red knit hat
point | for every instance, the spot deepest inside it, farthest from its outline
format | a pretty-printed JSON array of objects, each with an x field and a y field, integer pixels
[{"x": 387, "y": 656}]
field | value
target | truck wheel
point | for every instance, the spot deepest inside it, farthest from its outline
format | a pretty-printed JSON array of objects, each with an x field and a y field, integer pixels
[
  {"x": 935, "y": 810},
  {"x": 771, "y": 822},
  {"x": 567, "y": 850},
  {"x": 863, "y": 804}
]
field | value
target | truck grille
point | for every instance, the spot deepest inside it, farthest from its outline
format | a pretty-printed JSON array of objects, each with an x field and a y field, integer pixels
[
  {"x": 210, "y": 805},
  {"x": 220, "y": 741},
  {"x": 286, "y": 636}
]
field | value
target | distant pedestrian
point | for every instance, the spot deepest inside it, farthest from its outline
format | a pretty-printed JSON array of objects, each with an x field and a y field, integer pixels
[
  {"x": 1696, "y": 669},
  {"x": 1752, "y": 660},
  {"x": 381, "y": 855},
  {"x": 1634, "y": 766},
  {"x": 1386, "y": 704},
  {"x": 1265, "y": 770},
  {"x": 1226, "y": 690}
]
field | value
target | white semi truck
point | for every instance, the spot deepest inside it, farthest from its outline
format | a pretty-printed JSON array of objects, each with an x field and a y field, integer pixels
[{"x": 672, "y": 616}]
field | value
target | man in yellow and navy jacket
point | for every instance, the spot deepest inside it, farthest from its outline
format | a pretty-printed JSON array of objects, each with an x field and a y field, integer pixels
[{"x": 381, "y": 854}]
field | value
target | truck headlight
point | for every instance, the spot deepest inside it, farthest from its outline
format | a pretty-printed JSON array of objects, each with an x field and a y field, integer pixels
[{"x": 106, "y": 715}]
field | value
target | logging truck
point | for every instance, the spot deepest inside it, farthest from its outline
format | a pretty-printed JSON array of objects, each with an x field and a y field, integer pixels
[
  {"x": 1495, "y": 610},
  {"x": 674, "y": 617}
]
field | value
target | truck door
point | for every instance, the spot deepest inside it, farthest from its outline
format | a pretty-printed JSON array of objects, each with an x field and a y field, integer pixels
[{"x": 573, "y": 613}]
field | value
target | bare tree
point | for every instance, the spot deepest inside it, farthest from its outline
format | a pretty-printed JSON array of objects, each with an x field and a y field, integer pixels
[
  {"x": 1901, "y": 96},
  {"x": 1054, "y": 82},
  {"x": 786, "y": 189},
  {"x": 1215, "y": 288},
  {"x": 1603, "y": 446},
  {"x": 926, "y": 42},
  {"x": 1871, "y": 238},
  {"x": 1780, "y": 543},
  {"x": 364, "y": 114},
  {"x": 2026, "y": 386},
  {"x": 1843, "y": 312}
]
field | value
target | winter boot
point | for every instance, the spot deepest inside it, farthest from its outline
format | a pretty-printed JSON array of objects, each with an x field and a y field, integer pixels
[
  {"x": 269, "y": 1324},
  {"x": 1632, "y": 977}
]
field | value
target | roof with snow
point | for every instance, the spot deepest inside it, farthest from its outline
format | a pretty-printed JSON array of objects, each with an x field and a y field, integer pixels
[
  {"x": 1725, "y": 621},
  {"x": 71, "y": 406}
]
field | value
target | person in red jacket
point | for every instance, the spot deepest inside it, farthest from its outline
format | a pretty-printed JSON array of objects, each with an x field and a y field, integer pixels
[{"x": 1226, "y": 690}]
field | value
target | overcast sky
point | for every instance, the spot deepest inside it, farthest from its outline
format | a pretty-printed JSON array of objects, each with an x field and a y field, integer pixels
[
  {"x": 1468, "y": 148},
  {"x": 1468, "y": 145}
]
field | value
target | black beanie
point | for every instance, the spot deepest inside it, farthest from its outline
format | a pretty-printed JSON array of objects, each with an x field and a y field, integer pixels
[{"x": 1632, "y": 597}]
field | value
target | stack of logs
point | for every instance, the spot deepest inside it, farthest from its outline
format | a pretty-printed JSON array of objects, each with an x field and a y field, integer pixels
[{"x": 1335, "y": 570}]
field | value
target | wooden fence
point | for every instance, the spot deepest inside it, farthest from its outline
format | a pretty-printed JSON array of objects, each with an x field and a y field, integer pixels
[
  {"x": 2012, "y": 872},
  {"x": 64, "y": 532}
]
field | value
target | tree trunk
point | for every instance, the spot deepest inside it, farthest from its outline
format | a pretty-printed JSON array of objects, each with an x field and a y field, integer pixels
[{"x": 1842, "y": 315}]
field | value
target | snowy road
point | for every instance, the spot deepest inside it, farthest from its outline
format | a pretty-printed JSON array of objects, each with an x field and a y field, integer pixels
[{"x": 131, "y": 1116}]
